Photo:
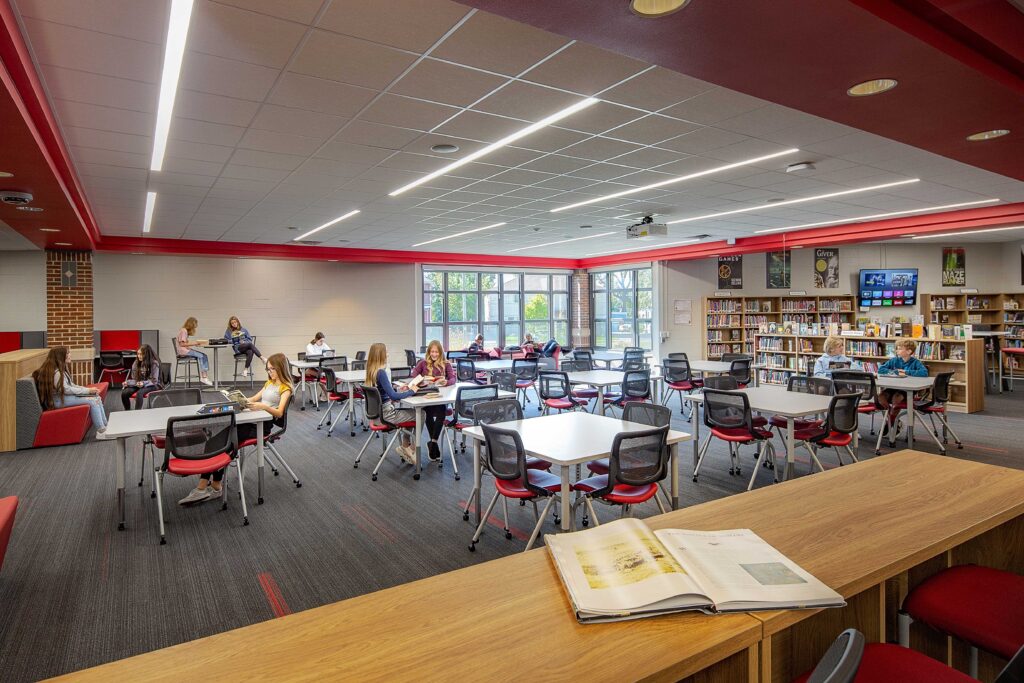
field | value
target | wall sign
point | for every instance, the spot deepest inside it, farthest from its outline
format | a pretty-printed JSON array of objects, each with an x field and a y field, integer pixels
[
  {"x": 826, "y": 268},
  {"x": 778, "y": 266},
  {"x": 954, "y": 267}
]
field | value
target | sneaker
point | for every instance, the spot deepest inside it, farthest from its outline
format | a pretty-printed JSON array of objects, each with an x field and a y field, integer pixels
[
  {"x": 195, "y": 496},
  {"x": 206, "y": 381},
  {"x": 214, "y": 493},
  {"x": 433, "y": 451},
  {"x": 247, "y": 372},
  {"x": 408, "y": 453},
  {"x": 101, "y": 431}
]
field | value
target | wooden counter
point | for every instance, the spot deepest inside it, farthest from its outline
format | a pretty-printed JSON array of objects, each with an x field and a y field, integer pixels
[{"x": 14, "y": 364}]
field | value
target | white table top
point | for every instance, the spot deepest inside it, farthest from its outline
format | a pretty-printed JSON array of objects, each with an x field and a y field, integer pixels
[
  {"x": 350, "y": 376},
  {"x": 903, "y": 383},
  {"x": 447, "y": 395},
  {"x": 778, "y": 401},
  {"x": 571, "y": 438},
  {"x": 493, "y": 365},
  {"x": 596, "y": 378},
  {"x": 614, "y": 355},
  {"x": 716, "y": 366},
  {"x": 125, "y": 423},
  {"x": 984, "y": 333},
  {"x": 304, "y": 363}
]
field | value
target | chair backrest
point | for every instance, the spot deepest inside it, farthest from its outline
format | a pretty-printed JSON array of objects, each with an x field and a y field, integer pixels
[
  {"x": 676, "y": 369},
  {"x": 807, "y": 384},
  {"x": 727, "y": 409},
  {"x": 740, "y": 369},
  {"x": 330, "y": 379},
  {"x": 465, "y": 370},
  {"x": 850, "y": 381},
  {"x": 633, "y": 349},
  {"x": 552, "y": 385},
  {"x": 723, "y": 382},
  {"x": 842, "y": 413},
  {"x": 583, "y": 354},
  {"x": 357, "y": 364},
  {"x": 940, "y": 390},
  {"x": 636, "y": 384},
  {"x": 841, "y": 660},
  {"x": 524, "y": 369},
  {"x": 575, "y": 365},
  {"x": 647, "y": 413},
  {"x": 371, "y": 402},
  {"x": 634, "y": 364},
  {"x": 679, "y": 355},
  {"x": 506, "y": 381},
  {"x": 328, "y": 353},
  {"x": 506, "y": 457},
  {"x": 197, "y": 437},
  {"x": 547, "y": 363},
  {"x": 360, "y": 355},
  {"x": 730, "y": 357},
  {"x": 301, "y": 355},
  {"x": 111, "y": 359},
  {"x": 337, "y": 364},
  {"x": 501, "y": 410},
  {"x": 466, "y": 398},
  {"x": 173, "y": 397},
  {"x": 637, "y": 459},
  {"x": 165, "y": 373},
  {"x": 410, "y": 357},
  {"x": 401, "y": 373}
]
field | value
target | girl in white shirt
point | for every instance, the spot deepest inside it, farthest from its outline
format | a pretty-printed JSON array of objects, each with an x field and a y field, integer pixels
[
  {"x": 318, "y": 345},
  {"x": 56, "y": 389}
]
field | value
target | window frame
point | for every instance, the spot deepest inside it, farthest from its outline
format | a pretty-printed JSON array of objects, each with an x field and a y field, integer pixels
[{"x": 604, "y": 316}]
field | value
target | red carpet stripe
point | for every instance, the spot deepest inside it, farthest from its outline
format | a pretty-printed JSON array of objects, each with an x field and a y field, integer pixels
[
  {"x": 273, "y": 593},
  {"x": 979, "y": 447},
  {"x": 499, "y": 522},
  {"x": 377, "y": 524}
]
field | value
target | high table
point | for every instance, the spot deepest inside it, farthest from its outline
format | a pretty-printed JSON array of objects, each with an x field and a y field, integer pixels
[
  {"x": 992, "y": 351},
  {"x": 908, "y": 385},
  {"x": 871, "y": 531},
  {"x": 215, "y": 348},
  {"x": 569, "y": 439},
  {"x": 125, "y": 423}
]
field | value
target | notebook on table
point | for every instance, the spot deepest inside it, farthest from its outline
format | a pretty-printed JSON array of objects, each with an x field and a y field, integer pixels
[{"x": 218, "y": 408}]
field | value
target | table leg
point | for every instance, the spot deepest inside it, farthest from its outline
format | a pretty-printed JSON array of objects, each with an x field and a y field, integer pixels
[
  {"x": 673, "y": 461},
  {"x": 695, "y": 424},
  {"x": 790, "y": 449},
  {"x": 566, "y": 496},
  {"x": 1001, "y": 374},
  {"x": 600, "y": 399},
  {"x": 302, "y": 389},
  {"x": 259, "y": 463},
  {"x": 999, "y": 361},
  {"x": 119, "y": 466},
  {"x": 419, "y": 438},
  {"x": 910, "y": 417},
  {"x": 477, "y": 476},
  {"x": 351, "y": 408}
]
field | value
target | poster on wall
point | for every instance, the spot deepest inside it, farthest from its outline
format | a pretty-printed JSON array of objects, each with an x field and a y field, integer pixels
[
  {"x": 730, "y": 272},
  {"x": 777, "y": 268},
  {"x": 954, "y": 267},
  {"x": 826, "y": 268}
]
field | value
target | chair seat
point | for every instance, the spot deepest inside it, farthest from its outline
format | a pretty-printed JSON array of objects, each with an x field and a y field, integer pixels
[
  {"x": 600, "y": 466},
  {"x": 867, "y": 407},
  {"x": 740, "y": 434},
  {"x": 929, "y": 407},
  {"x": 816, "y": 434},
  {"x": 622, "y": 494},
  {"x": 183, "y": 467},
  {"x": 585, "y": 393},
  {"x": 681, "y": 386},
  {"x": 980, "y": 605},
  {"x": 759, "y": 421},
  {"x": 537, "y": 464},
  {"x": 780, "y": 422},
  {"x": 884, "y": 663},
  {"x": 514, "y": 488},
  {"x": 524, "y": 383},
  {"x": 159, "y": 441},
  {"x": 337, "y": 396},
  {"x": 561, "y": 403}
]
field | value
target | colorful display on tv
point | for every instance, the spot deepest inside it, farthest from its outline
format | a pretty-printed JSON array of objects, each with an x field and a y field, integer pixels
[{"x": 888, "y": 287}]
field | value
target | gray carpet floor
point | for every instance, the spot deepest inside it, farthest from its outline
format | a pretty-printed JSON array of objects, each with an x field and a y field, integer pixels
[{"x": 75, "y": 592}]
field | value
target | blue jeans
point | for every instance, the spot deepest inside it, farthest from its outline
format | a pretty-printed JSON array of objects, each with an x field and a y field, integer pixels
[
  {"x": 204, "y": 362},
  {"x": 95, "y": 403}
]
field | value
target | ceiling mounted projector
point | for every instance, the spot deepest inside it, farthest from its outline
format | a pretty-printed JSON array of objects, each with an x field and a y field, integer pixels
[
  {"x": 15, "y": 198},
  {"x": 646, "y": 228}
]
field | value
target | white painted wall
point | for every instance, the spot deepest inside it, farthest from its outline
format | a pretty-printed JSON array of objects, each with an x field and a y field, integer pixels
[
  {"x": 282, "y": 303},
  {"x": 22, "y": 291}
]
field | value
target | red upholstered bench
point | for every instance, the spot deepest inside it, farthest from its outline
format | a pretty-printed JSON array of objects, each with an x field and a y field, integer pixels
[{"x": 10, "y": 341}]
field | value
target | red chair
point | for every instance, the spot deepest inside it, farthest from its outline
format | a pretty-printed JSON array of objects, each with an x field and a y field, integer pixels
[
  {"x": 38, "y": 428},
  {"x": 850, "y": 381},
  {"x": 112, "y": 369},
  {"x": 374, "y": 415},
  {"x": 836, "y": 432},
  {"x": 727, "y": 415},
  {"x": 636, "y": 387},
  {"x": 526, "y": 376},
  {"x": 556, "y": 393},
  {"x": 981, "y": 606},
  {"x": 164, "y": 398},
  {"x": 8, "y": 508},
  {"x": 335, "y": 397},
  {"x": 802, "y": 384},
  {"x": 650, "y": 414},
  {"x": 679, "y": 378},
  {"x": 270, "y": 438}
]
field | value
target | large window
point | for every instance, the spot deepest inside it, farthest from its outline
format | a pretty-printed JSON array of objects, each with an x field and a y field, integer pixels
[
  {"x": 458, "y": 305},
  {"x": 622, "y": 302}
]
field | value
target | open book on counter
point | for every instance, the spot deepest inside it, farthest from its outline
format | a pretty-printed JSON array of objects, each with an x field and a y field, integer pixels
[{"x": 623, "y": 570}]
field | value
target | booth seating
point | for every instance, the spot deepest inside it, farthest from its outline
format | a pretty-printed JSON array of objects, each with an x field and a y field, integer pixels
[
  {"x": 58, "y": 427},
  {"x": 13, "y": 341}
]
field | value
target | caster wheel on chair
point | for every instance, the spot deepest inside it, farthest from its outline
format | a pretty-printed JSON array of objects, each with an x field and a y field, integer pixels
[
  {"x": 960, "y": 446},
  {"x": 259, "y": 501},
  {"x": 586, "y": 522},
  {"x": 351, "y": 433},
  {"x": 373, "y": 477},
  {"x": 245, "y": 521},
  {"x": 152, "y": 494},
  {"x": 695, "y": 479},
  {"x": 472, "y": 547},
  {"x": 298, "y": 484},
  {"x": 732, "y": 472},
  {"x": 558, "y": 520},
  {"x": 457, "y": 477},
  {"x": 163, "y": 541},
  {"x": 465, "y": 516},
  {"x": 416, "y": 477},
  {"x": 878, "y": 452},
  {"x": 508, "y": 535},
  {"x": 276, "y": 473}
]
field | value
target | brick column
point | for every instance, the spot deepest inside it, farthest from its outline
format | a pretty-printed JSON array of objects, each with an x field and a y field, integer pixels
[
  {"x": 69, "y": 307},
  {"x": 581, "y": 320}
]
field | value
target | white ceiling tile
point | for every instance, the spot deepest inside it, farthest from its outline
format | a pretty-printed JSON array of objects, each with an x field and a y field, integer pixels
[
  {"x": 301, "y": 11},
  {"x": 714, "y": 106},
  {"x": 91, "y": 155},
  {"x": 192, "y": 166},
  {"x": 100, "y": 139},
  {"x": 190, "y": 104},
  {"x": 702, "y": 140},
  {"x": 254, "y": 173},
  {"x": 228, "y": 77},
  {"x": 527, "y": 101},
  {"x": 250, "y": 157},
  {"x": 105, "y": 118},
  {"x": 404, "y": 112},
  {"x": 599, "y": 149},
  {"x": 94, "y": 52},
  {"x": 204, "y": 132},
  {"x": 320, "y": 95},
  {"x": 652, "y": 129},
  {"x": 407, "y": 24},
  {"x": 494, "y": 43},
  {"x": 446, "y": 83},
  {"x": 657, "y": 89},
  {"x": 297, "y": 122},
  {"x": 584, "y": 69},
  {"x": 200, "y": 152},
  {"x": 476, "y": 126},
  {"x": 350, "y": 60},
  {"x": 232, "y": 33},
  {"x": 121, "y": 93},
  {"x": 283, "y": 143},
  {"x": 377, "y": 135},
  {"x": 353, "y": 154}
]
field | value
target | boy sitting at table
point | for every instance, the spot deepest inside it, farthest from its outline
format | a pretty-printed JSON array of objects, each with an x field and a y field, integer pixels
[{"x": 903, "y": 364}]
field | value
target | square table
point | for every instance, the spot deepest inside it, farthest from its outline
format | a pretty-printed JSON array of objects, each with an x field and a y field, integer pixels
[
  {"x": 609, "y": 357},
  {"x": 492, "y": 366},
  {"x": 908, "y": 385},
  {"x": 600, "y": 379},
  {"x": 125, "y": 423},
  {"x": 568, "y": 439}
]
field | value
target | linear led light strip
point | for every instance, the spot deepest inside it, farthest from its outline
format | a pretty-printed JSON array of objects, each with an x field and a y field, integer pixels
[
  {"x": 671, "y": 181},
  {"x": 790, "y": 202},
  {"x": 574, "y": 239},
  {"x": 964, "y": 232},
  {"x": 147, "y": 220},
  {"x": 326, "y": 225},
  {"x": 646, "y": 247},
  {"x": 177, "y": 32},
  {"x": 459, "y": 234},
  {"x": 554, "y": 118},
  {"x": 878, "y": 215}
]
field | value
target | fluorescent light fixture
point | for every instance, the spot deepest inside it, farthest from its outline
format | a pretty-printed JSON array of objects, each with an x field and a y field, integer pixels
[
  {"x": 670, "y": 181},
  {"x": 988, "y": 134},
  {"x": 147, "y": 220},
  {"x": 326, "y": 225},
  {"x": 574, "y": 239},
  {"x": 459, "y": 234},
  {"x": 174, "y": 51},
  {"x": 872, "y": 87},
  {"x": 878, "y": 215},
  {"x": 646, "y": 247},
  {"x": 966, "y": 232},
  {"x": 790, "y": 202},
  {"x": 508, "y": 140},
  {"x": 49, "y": 230}
]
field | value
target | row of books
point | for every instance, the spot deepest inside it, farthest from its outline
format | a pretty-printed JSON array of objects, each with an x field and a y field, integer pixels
[
  {"x": 776, "y": 361},
  {"x": 724, "y": 305},
  {"x": 797, "y": 317},
  {"x": 840, "y": 305},
  {"x": 754, "y": 306},
  {"x": 719, "y": 349},
  {"x": 755, "y": 320},
  {"x": 775, "y": 344},
  {"x": 723, "y": 335},
  {"x": 943, "y": 303},
  {"x": 974, "y": 302},
  {"x": 722, "y": 320},
  {"x": 799, "y": 306},
  {"x": 804, "y": 329}
]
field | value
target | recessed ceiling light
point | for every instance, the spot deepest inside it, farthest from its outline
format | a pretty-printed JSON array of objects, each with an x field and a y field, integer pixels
[
  {"x": 5, "y": 174},
  {"x": 574, "y": 239},
  {"x": 877, "y": 215},
  {"x": 344, "y": 241},
  {"x": 873, "y": 87},
  {"x": 967, "y": 232},
  {"x": 458, "y": 234},
  {"x": 33, "y": 209},
  {"x": 796, "y": 201},
  {"x": 327, "y": 225},
  {"x": 445, "y": 149},
  {"x": 174, "y": 50},
  {"x": 652, "y": 9},
  {"x": 332, "y": 260},
  {"x": 679, "y": 179},
  {"x": 147, "y": 218},
  {"x": 508, "y": 140},
  {"x": 646, "y": 247},
  {"x": 800, "y": 166},
  {"x": 49, "y": 230},
  {"x": 798, "y": 246},
  {"x": 988, "y": 134}
]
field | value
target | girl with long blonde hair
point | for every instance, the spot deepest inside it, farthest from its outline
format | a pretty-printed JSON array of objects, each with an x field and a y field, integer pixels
[
  {"x": 436, "y": 369},
  {"x": 377, "y": 376},
  {"x": 184, "y": 348}
]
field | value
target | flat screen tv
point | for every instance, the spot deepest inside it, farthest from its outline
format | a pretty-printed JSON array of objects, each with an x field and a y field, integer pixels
[{"x": 888, "y": 287}]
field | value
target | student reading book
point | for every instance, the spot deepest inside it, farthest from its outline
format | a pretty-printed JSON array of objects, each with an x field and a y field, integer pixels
[{"x": 623, "y": 570}]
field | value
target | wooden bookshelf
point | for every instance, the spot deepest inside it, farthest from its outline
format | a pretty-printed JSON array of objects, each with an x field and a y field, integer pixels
[{"x": 1003, "y": 312}]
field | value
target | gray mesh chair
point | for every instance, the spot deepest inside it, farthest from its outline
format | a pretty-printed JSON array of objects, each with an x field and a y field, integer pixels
[
  {"x": 934, "y": 406},
  {"x": 802, "y": 384},
  {"x": 373, "y": 410},
  {"x": 555, "y": 392},
  {"x": 728, "y": 417},
  {"x": 506, "y": 381},
  {"x": 836, "y": 431},
  {"x": 466, "y": 398},
  {"x": 526, "y": 377},
  {"x": 273, "y": 431},
  {"x": 721, "y": 382},
  {"x": 334, "y": 392},
  {"x": 678, "y": 378},
  {"x": 410, "y": 357},
  {"x": 841, "y": 661},
  {"x": 636, "y": 386},
  {"x": 164, "y": 398}
]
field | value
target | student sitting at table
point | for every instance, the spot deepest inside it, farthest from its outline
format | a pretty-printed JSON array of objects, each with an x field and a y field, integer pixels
[
  {"x": 377, "y": 375},
  {"x": 56, "y": 389},
  {"x": 185, "y": 349},
  {"x": 833, "y": 358},
  {"x": 241, "y": 342},
  {"x": 435, "y": 368},
  {"x": 904, "y": 364},
  {"x": 318, "y": 345},
  {"x": 273, "y": 398},
  {"x": 528, "y": 345},
  {"x": 477, "y": 346},
  {"x": 143, "y": 378}
]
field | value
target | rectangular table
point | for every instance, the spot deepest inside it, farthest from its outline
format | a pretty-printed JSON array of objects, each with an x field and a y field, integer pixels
[
  {"x": 599, "y": 379},
  {"x": 126, "y": 423},
  {"x": 908, "y": 385},
  {"x": 609, "y": 357},
  {"x": 569, "y": 439},
  {"x": 492, "y": 366}
]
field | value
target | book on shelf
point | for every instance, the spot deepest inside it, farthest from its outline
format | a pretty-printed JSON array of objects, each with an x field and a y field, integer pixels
[{"x": 624, "y": 570}]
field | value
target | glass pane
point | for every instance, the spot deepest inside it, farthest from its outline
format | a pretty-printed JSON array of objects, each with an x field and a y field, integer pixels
[
  {"x": 560, "y": 306},
  {"x": 535, "y": 283},
  {"x": 622, "y": 334},
  {"x": 541, "y": 331},
  {"x": 644, "y": 304},
  {"x": 621, "y": 279},
  {"x": 600, "y": 281},
  {"x": 513, "y": 334},
  {"x": 622, "y": 321},
  {"x": 431, "y": 332},
  {"x": 491, "y": 336},
  {"x": 601, "y": 334},
  {"x": 490, "y": 308},
  {"x": 433, "y": 281},
  {"x": 644, "y": 278},
  {"x": 489, "y": 282},
  {"x": 433, "y": 308},
  {"x": 601, "y": 306},
  {"x": 460, "y": 282},
  {"x": 536, "y": 308},
  {"x": 560, "y": 283},
  {"x": 511, "y": 306},
  {"x": 462, "y": 307},
  {"x": 562, "y": 333},
  {"x": 622, "y": 305},
  {"x": 646, "y": 338},
  {"x": 510, "y": 281},
  {"x": 461, "y": 336}
]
